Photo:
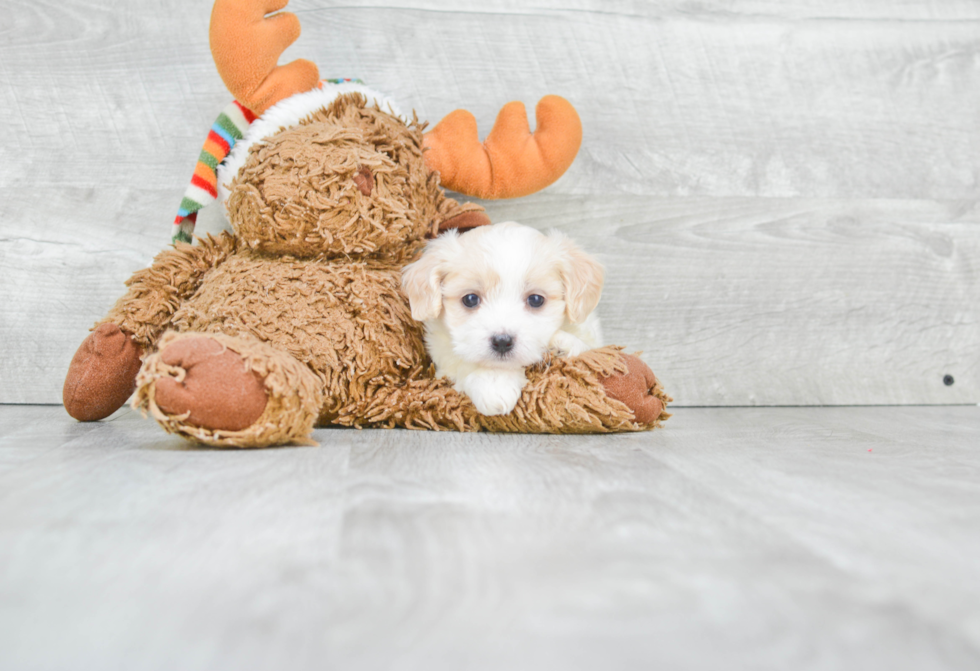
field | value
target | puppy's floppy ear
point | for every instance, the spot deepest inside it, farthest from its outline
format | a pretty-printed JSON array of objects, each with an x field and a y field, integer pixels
[
  {"x": 422, "y": 280},
  {"x": 582, "y": 276}
]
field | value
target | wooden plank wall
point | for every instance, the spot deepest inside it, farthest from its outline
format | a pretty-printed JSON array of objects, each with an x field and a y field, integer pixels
[{"x": 784, "y": 192}]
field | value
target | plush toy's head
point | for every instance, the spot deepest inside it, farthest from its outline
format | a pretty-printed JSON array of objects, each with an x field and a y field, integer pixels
[
  {"x": 348, "y": 180},
  {"x": 309, "y": 168}
]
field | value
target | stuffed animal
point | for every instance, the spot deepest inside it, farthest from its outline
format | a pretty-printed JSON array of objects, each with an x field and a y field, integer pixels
[{"x": 297, "y": 319}]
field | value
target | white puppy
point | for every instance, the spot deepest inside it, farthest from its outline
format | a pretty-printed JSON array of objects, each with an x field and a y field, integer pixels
[{"x": 495, "y": 299}]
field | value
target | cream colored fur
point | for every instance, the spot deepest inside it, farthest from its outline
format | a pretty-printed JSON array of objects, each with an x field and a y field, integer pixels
[{"x": 504, "y": 268}]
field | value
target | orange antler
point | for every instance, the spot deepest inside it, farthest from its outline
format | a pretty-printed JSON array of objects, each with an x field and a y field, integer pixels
[
  {"x": 511, "y": 162},
  {"x": 246, "y": 47}
]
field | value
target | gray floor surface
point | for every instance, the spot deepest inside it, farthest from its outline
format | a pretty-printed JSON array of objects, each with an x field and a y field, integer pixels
[{"x": 762, "y": 538}]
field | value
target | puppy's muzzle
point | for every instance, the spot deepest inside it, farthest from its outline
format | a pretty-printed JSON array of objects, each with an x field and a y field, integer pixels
[{"x": 502, "y": 343}]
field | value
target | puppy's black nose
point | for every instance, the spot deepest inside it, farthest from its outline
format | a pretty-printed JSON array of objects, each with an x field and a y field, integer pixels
[{"x": 502, "y": 343}]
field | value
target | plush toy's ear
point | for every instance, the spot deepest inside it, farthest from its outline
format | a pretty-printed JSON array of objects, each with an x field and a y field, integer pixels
[
  {"x": 582, "y": 276},
  {"x": 246, "y": 46},
  {"x": 422, "y": 280},
  {"x": 512, "y": 161}
]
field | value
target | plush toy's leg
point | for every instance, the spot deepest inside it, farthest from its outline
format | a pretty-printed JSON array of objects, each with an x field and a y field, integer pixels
[
  {"x": 229, "y": 391},
  {"x": 600, "y": 391},
  {"x": 102, "y": 374}
]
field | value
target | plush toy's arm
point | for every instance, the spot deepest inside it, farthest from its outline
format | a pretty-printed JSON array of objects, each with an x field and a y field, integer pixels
[
  {"x": 155, "y": 293},
  {"x": 452, "y": 214},
  {"x": 103, "y": 371},
  {"x": 601, "y": 391}
]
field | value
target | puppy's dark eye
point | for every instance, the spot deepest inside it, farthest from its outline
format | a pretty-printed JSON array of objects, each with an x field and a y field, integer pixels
[
  {"x": 471, "y": 300},
  {"x": 535, "y": 300}
]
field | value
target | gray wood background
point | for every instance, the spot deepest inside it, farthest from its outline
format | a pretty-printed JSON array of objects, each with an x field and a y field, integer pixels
[{"x": 784, "y": 193}]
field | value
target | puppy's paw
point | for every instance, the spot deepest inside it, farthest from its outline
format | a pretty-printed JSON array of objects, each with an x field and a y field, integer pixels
[
  {"x": 495, "y": 401},
  {"x": 494, "y": 392},
  {"x": 564, "y": 343}
]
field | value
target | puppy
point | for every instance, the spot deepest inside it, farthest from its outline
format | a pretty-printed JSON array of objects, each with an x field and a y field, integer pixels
[{"x": 495, "y": 299}]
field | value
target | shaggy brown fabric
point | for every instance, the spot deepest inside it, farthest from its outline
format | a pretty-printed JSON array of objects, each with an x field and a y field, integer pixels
[
  {"x": 306, "y": 298},
  {"x": 156, "y": 292},
  {"x": 299, "y": 192},
  {"x": 348, "y": 321},
  {"x": 294, "y": 396},
  {"x": 102, "y": 374},
  {"x": 562, "y": 396},
  {"x": 565, "y": 395}
]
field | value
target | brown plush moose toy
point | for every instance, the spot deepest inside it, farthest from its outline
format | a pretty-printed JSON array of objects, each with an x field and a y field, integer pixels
[{"x": 297, "y": 319}]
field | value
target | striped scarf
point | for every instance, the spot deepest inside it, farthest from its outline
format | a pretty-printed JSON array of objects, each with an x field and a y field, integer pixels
[{"x": 228, "y": 129}]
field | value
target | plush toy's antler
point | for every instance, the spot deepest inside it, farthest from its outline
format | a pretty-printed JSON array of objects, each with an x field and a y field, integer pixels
[
  {"x": 246, "y": 46},
  {"x": 512, "y": 161}
]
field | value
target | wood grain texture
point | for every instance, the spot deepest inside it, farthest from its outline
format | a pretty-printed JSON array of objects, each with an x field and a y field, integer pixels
[
  {"x": 758, "y": 301},
  {"x": 860, "y": 112},
  {"x": 790, "y": 538}
]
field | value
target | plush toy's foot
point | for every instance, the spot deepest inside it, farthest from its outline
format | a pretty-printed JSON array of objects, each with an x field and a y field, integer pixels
[
  {"x": 229, "y": 391},
  {"x": 217, "y": 390},
  {"x": 102, "y": 374},
  {"x": 638, "y": 389}
]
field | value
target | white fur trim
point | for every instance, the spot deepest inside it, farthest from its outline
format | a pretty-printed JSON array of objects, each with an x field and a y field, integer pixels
[
  {"x": 236, "y": 115},
  {"x": 286, "y": 114}
]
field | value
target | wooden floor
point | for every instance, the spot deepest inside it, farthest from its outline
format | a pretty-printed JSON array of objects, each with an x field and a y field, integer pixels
[{"x": 792, "y": 538}]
